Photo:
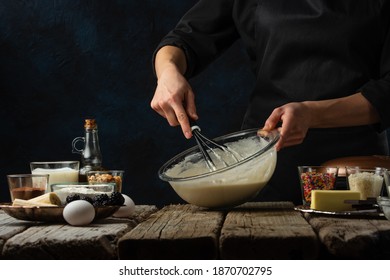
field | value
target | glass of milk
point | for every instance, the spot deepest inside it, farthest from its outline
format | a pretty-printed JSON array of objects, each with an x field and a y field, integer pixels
[{"x": 59, "y": 171}]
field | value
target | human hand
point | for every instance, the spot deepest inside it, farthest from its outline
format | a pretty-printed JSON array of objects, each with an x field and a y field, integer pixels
[
  {"x": 295, "y": 118},
  {"x": 175, "y": 100}
]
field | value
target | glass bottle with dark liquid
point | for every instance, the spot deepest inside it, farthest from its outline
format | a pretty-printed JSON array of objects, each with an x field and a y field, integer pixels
[{"x": 91, "y": 156}]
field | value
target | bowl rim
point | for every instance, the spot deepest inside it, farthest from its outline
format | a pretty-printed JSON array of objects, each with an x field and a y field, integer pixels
[
  {"x": 260, "y": 132},
  {"x": 361, "y": 169},
  {"x": 106, "y": 171},
  {"x": 83, "y": 184}
]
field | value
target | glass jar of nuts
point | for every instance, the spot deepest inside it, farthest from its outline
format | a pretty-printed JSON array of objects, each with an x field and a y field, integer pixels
[{"x": 107, "y": 176}]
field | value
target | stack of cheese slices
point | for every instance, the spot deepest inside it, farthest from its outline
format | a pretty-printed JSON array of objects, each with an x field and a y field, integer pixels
[{"x": 50, "y": 199}]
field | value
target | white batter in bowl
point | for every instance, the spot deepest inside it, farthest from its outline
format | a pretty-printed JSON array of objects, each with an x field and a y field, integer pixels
[{"x": 230, "y": 185}]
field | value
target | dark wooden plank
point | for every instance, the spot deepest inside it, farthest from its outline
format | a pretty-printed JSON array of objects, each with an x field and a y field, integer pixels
[
  {"x": 352, "y": 238},
  {"x": 270, "y": 230},
  {"x": 9, "y": 227},
  {"x": 175, "y": 232},
  {"x": 60, "y": 241},
  {"x": 95, "y": 241}
]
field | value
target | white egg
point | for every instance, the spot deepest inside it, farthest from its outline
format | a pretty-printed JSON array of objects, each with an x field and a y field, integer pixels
[
  {"x": 127, "y": 209},
  {"x": 79, "y": 213}
]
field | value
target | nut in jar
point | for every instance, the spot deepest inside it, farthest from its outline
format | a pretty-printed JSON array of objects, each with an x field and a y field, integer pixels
[{"x": 107, "y": 176}]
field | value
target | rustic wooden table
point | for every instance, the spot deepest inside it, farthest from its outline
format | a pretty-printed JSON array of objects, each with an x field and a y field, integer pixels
[
  {"x": 266, "y": 230},
  {"x": 272, "y": 230},
  {"x": 34, "y": 240}
]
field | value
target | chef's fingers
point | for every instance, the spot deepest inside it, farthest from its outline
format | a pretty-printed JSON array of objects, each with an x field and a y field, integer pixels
[
  {"x": 280, "y": 144},
  {"x": 158, "y": 106},
  {"x": 186, "y": 111},
  {"x": 190, "y": 105},
  {"x": 173, "y": 110},
  {"x": 159, "y": 110},
  {"x": 178, "y": 117},
  {"x": 288, "y": 138},
  {"x": 182, "y": 119},
  {"x": 274, "y": 119},
  {"x": 291, "y": 141},
  {"x": 165, "y": 105},
  {"x": 291, "y": 133},
  {"x": 171, "y": 117},
  {"x": 165, "y": 110},
  {"x": 272, "y": 122}
]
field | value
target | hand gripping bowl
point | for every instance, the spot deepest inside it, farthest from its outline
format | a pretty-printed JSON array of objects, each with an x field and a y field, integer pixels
[{"x": 236, "y": 180}]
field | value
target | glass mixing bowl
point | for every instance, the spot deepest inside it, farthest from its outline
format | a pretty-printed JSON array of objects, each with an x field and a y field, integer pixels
[{"x": 237, "y": 179}]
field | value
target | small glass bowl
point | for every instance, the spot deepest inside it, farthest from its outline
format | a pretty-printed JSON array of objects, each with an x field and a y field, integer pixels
[
  {"x": 82, "y": 189},
  {"x": 369, "y": 182},
  {"x": 107, "y": 176}
]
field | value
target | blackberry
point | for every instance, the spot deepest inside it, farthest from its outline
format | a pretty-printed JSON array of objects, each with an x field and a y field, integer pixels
[
  {"x": 101, "y": 200},
  {"x": 116, "y": 199},
  {"x": 87, "y": 198},
  {"x": 72, "y": 197}
]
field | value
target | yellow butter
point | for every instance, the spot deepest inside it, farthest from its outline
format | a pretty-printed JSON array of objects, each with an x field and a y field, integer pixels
[{"x": 332, "y": 200}]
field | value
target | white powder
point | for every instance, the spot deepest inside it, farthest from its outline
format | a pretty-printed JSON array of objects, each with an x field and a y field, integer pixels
[
  {"x": 368, "y": 184},
  {"x": 84, "y": 191}
]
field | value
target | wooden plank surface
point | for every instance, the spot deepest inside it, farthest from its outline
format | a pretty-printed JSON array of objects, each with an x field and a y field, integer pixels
[
  {"x": 9, "y": 227},
  {"x": 263, "y": 230},
  {"x": 61, "y": 241},
  {"x": 267, "y": 231},
  {"x": 174, "y": 232},
  {"x": 352, "y": 238}
]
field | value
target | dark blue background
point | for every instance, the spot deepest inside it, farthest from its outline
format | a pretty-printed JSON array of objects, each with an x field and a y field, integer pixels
[{"x": 66, "y": 60}]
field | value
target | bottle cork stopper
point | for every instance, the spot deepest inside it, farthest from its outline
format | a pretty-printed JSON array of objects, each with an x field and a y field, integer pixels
[{"x": 90, "y": 124}]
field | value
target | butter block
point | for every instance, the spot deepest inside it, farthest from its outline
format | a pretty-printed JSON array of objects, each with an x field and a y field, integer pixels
[{"x": 332, "y": 200}]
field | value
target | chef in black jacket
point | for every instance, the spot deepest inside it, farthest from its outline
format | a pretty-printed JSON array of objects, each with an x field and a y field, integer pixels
[{"x": 322, "y": 76}]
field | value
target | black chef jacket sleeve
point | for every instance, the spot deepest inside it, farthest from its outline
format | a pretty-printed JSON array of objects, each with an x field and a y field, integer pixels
[
  {"x": 377, "y": 91},
  {"x": 203, "y": 33}
]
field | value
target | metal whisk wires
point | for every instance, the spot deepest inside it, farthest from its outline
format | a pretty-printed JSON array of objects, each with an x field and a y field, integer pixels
[{"x": 205, "y": 144}]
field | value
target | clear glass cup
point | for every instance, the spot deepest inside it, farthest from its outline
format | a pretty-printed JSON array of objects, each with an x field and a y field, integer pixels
[
  {"x": 316, "y": 178},
  {"x": 107, "y": 176},
  {"x": 59, "y": 171},
  {"x": 27, "y": 186},
  {"x": 368, "y": 181}
]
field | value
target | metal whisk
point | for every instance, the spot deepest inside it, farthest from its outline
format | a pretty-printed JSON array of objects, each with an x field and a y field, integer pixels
[{"x": 205, "y": 144}]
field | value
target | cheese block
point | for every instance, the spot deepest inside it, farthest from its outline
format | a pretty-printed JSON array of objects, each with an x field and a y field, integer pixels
[
  {"x": 22, "y": 202},
  {"x": 48, "y": 198},
  {"x": 332, "y": 200}
]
